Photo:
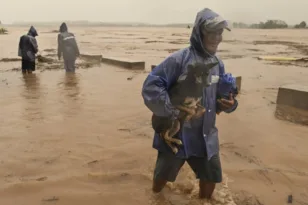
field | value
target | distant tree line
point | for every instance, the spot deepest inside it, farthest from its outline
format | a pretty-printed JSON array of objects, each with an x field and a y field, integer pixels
[
  {"x": 270, "y": 24},
  {"x": 301, "y": 25}
]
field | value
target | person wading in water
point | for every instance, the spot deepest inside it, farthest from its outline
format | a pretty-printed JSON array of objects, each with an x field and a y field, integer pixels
[
  {"x": 199, "y": 136},
  {"x": 27, "y": 49},
  {"x": 67, "y": 46}
]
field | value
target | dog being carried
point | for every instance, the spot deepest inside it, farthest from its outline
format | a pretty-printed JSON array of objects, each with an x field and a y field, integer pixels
[{"x": 186, "y": 96}]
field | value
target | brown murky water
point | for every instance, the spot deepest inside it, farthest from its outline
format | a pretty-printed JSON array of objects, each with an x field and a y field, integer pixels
[{"x": 86, "y": 138}]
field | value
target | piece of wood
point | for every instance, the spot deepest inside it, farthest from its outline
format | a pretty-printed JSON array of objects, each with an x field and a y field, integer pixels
[
  {"x": 126, "y": 63},
  {"x": 89, "y": 57},
  {"x": 238, "y": 82},
  {"x": 292, "y": 104}
]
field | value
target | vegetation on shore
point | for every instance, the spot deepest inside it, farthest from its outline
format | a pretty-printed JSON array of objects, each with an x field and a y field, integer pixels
[
  {"x": 3, "y": 31},
  {"x": 270, "y": 24}
]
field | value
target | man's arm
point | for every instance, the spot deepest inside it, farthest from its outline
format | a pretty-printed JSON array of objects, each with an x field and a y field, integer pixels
[
  {"x": 34, "y": 44},
  {"x": 76, "y": 46},
  {"x": 19, "y": 47},
  {"x": 232, "y": 103},
  {"x": 156, "y": 85},
  {"x": 60, "y": 49}
]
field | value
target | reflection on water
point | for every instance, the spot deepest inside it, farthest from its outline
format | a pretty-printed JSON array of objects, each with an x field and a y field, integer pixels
[
  {"x": 43, "y": 101},
  {"x": 32, "y": 94},
  {"x": 69, "y": 89},
  {"x": 71, "y": 85},
  {"x": 31, "y": 82},
  {"x": 61, "y": 122}
]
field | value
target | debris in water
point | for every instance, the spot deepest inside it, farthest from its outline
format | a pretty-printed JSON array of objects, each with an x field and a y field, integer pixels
[
  {"x": 51, "y": 50},
  {"x": 93, "y": 162},
  {"x": 124, "y": 174},
  {"x": 5, "y": 81},
  {"x": 281, "y": 58},
  {"x": 54, "y": 198},
  {"x": 290, "y": 199},
  {"x": 43, "y": 59},
  {"x": 9, "y": 59},
  {"x": 42, "y": 179},
  {"x": 124, "y": 129}
]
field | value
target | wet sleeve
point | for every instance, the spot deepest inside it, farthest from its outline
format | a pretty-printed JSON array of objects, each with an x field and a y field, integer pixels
[
  {"x": 34, "y": 44},
  {"x": 221, "y": 72},
  {"x": 156, "y": 85},
  {"x": 19, "y": 52},
  {"x": 60, "y": 49},
  {"x": 19, "y": 48}
]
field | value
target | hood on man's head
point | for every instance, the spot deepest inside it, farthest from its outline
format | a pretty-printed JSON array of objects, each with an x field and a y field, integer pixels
[
  {"x": 32, "y": 32},
  {"x": 209, "y": 20},
  {"x": 215, "y": 24},
  {"x": 63, "y": 28}
]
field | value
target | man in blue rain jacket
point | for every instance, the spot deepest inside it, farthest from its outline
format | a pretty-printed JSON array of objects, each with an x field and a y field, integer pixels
[{"x": 199, "y": 136}]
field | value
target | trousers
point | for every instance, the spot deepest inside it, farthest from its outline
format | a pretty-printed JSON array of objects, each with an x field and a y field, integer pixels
[{"x": 69, "y": 65}]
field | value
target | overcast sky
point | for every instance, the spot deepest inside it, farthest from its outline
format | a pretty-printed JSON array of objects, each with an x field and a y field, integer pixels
[{"x": 154, "y": 11}]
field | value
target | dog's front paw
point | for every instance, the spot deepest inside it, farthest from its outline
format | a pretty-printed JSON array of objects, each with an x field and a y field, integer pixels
[{"x": 199, "y": 112}]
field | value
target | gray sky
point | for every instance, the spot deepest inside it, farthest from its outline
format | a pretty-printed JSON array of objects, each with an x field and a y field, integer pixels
[{"x": 154, "y": 11}]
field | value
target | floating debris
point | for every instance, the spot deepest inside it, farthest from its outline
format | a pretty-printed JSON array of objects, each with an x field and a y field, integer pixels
[
  {"x": 10, "y": 59},
  {"x": 290, "y": 199},
  {"x": 281, "y": 58},
  {"x": 42, "y": 179},
  {"x": 43, "y": 59},
  {"x": 50, "y": 50},
  {"x": 54, "y": 198}
]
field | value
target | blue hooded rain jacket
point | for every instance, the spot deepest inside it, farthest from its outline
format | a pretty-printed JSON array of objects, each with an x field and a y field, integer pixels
[{"x": 200, "y": 136}]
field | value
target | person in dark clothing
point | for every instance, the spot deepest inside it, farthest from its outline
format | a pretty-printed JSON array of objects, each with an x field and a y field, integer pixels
[
  {"x": 68, "y": 46},
  {"x": 27, "y": 49}
]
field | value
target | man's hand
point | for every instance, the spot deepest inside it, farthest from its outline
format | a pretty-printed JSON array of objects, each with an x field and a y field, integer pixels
[{"x": 226, "y": 104}]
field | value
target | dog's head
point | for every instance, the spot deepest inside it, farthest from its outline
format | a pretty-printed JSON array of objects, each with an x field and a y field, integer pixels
[{"x": 200, "y": 72}]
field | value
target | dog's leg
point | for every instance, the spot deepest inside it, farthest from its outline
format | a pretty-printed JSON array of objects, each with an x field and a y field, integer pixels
[
  {"x": 174, "y": 148},
  {"x": 174, "y": 129},
  {"x": 199, "y": 106},
  {"x": 186, "y": 109},
  {"x": 190, "y": 112},
  {"x": 188, "y": 117},
  {"x": 199, "y": 111},
  {"x": 168, "y": 136},
  {"x": 169, "y": 140}
]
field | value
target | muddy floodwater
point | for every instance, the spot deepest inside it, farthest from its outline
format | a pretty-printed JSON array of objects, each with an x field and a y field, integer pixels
[{"x": 86, "y": 138}]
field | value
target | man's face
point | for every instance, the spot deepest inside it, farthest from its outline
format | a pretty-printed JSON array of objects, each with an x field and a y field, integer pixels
[{"x": 212, "y": 39}]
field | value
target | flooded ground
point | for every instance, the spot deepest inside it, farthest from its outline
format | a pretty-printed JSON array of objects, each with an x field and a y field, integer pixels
[{"x": 86, "y": 138}]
